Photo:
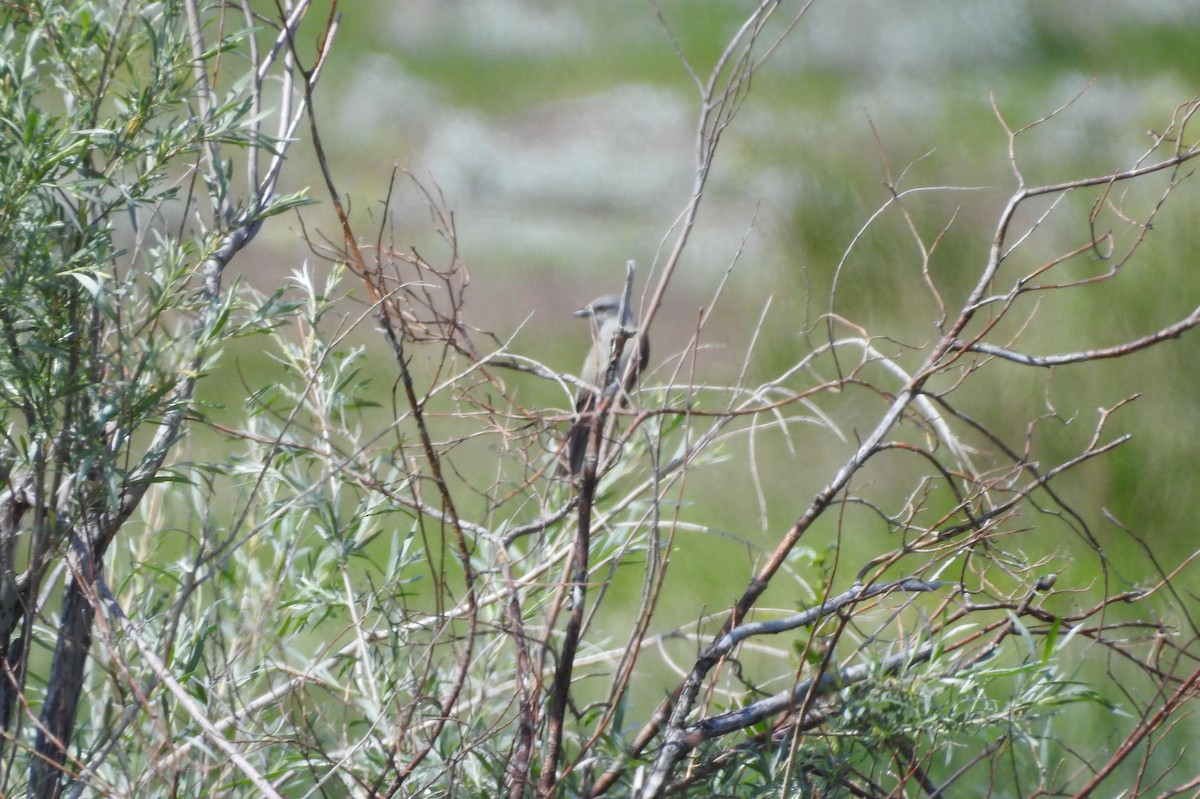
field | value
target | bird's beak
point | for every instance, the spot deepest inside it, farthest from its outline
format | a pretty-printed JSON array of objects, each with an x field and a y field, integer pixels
[{"x": 583, "y": 311}]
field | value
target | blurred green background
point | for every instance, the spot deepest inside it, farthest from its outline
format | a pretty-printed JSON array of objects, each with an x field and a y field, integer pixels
[
  {"x": 562, "y": 137},
  {"x": 562, "y": 134}
]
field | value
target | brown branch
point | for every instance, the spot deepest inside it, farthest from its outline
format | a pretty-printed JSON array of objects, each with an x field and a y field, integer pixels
[
  {"x": 1183, "y": 694},
  {"x": 433, "y": 458}
]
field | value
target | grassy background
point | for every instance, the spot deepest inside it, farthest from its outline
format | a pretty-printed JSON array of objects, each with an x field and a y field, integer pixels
[{"x": 561, "y": 135}]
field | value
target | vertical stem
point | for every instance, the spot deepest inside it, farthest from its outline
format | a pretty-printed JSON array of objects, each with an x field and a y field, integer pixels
[{"x": 63, "y": 692}]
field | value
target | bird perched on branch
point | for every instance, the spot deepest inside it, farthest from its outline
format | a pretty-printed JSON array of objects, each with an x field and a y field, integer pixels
[{"x": 604, "y": 369}]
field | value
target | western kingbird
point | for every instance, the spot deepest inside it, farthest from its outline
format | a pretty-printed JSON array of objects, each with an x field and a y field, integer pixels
[{"x": 605, "y": 315}]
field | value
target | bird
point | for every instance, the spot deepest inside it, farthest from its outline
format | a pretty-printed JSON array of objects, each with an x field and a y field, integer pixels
[{"x": 606, "y": 322}]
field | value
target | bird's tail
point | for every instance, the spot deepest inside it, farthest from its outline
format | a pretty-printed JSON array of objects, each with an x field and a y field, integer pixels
[{"x": 577, "y": 444}]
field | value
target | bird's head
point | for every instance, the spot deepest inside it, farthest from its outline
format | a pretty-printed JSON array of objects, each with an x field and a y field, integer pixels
[{"x": 601, "y": 309}]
